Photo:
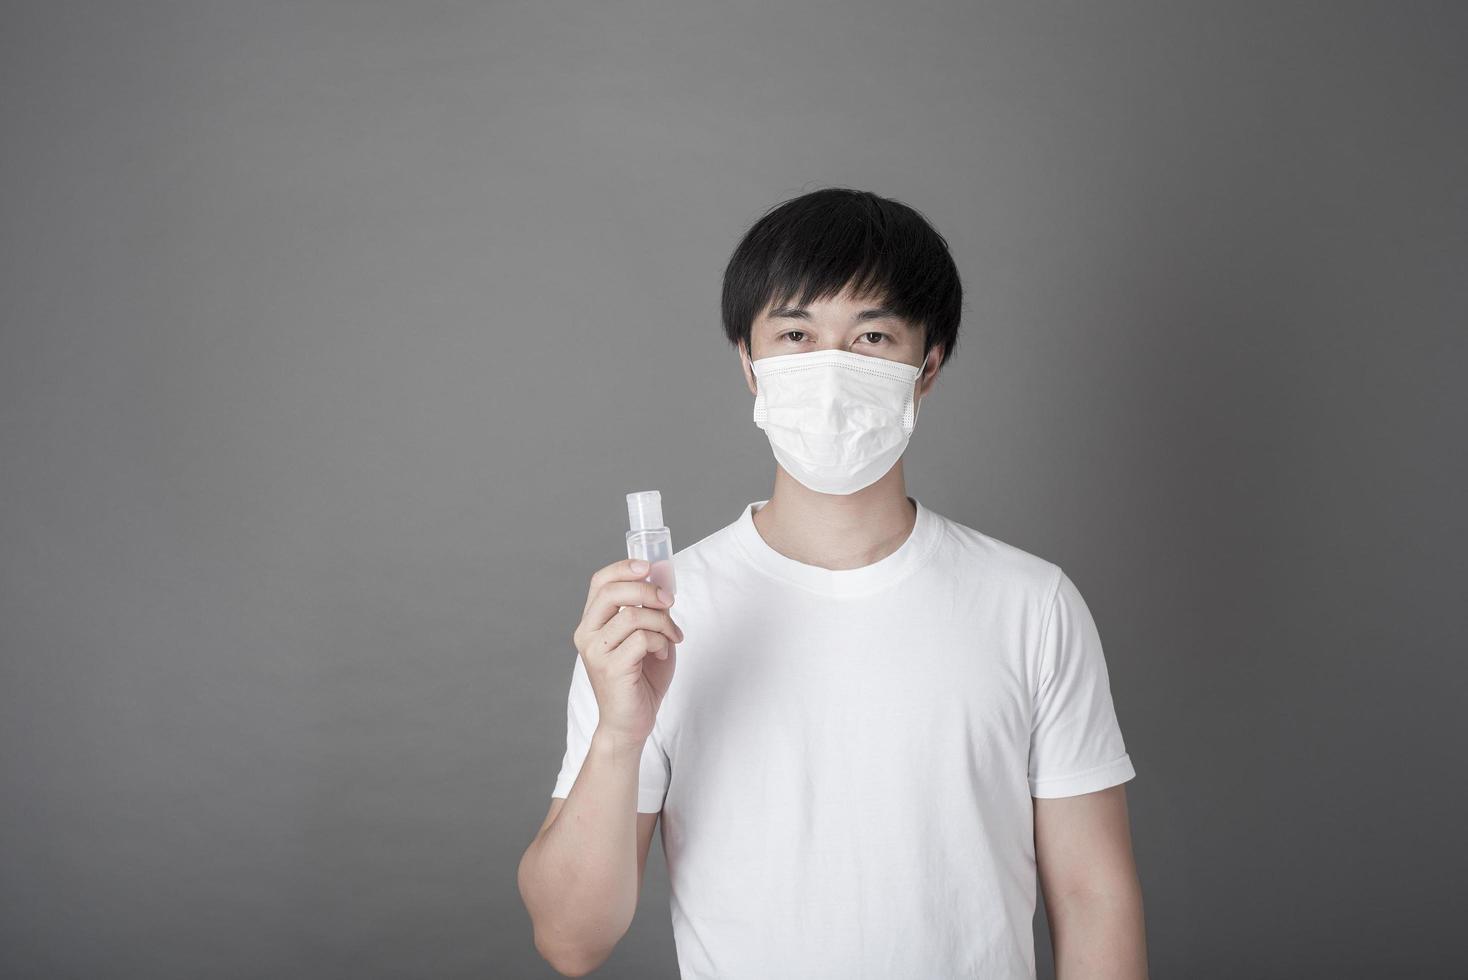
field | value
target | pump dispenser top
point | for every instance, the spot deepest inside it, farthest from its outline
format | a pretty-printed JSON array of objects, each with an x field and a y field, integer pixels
[{"x": 645, "y": 510}]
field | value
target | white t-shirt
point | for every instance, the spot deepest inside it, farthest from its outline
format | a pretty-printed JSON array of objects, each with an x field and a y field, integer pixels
[{"x": 845, "y": 759}]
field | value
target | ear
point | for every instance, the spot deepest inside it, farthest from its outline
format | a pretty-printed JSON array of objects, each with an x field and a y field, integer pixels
[
  {"x": 748, "y": 370},
  {"x": 929, "y": 377}
]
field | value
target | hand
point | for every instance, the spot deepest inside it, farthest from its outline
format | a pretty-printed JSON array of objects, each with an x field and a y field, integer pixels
[{"x": 624, "y": 621}]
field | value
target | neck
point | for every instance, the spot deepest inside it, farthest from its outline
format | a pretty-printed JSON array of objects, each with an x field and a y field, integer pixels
[{"x": 837, "y": 531}]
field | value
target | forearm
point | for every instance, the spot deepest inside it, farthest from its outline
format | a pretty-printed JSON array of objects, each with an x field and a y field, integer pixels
[
  {"x": 1099, "y": 935},
  {"x": 578, "y": 878}
]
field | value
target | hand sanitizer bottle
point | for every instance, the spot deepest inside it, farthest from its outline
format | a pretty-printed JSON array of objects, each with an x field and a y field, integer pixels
[{"x": 649, "y": 539}]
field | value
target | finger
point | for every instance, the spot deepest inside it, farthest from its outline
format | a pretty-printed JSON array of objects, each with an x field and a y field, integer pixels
[
  {"x": 629, "y": 654},
  {"x": 631, "y": 619},
  {"x": 614, "y": 595},
  {"x": 617, "y": 571}
]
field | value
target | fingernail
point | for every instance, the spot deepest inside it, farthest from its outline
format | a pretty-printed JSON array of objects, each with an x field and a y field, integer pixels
[
  {"x": 665, "y": 596},
  {"x": 639, "y": 566}
]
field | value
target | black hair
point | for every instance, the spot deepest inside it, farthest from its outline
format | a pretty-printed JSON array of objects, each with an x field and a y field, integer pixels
[{"x": 820, "y": 242}]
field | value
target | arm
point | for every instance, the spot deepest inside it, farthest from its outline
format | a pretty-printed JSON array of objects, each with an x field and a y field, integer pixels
[
  {"x": 581, "y": 876},
  {"x": 1092, "y": 896}
]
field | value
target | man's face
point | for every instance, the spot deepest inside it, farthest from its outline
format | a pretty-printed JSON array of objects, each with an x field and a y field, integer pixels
[{"x": 843, "y": 322}]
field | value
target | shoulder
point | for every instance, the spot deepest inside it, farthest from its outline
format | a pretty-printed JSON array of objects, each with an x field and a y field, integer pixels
[
  {"x": 979, "y": 558},
  {"x": 705, "y": 567},
  {"x": 709, "y": 552}
]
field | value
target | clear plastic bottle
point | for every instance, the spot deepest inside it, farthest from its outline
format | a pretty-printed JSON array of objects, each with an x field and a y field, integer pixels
[{"x": 649, "y": 539}]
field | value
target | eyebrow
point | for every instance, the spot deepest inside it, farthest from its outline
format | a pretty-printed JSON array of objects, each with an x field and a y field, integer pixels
[{"x": 801, "y": 313}]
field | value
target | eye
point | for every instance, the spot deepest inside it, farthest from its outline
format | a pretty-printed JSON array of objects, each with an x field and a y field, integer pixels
[{"x": 871, "y": 336}]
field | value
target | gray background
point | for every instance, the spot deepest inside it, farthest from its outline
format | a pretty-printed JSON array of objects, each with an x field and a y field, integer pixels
[{"x": 334, "y": 334}]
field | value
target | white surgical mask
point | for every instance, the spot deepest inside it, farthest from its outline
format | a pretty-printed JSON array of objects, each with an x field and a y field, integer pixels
[{"x": 837, "y": 421}]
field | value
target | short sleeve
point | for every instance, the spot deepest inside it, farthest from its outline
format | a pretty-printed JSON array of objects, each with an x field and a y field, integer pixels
[
  {"x": 581, "y": 719},
  {"x": 1075, "y": 742}
]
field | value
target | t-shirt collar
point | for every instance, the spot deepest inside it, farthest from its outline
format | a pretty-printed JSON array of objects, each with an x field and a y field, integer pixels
[{"x": 838, "y": 582}]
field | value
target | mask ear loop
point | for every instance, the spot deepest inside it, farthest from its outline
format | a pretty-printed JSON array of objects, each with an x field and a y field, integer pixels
[
  {"x": 759, "y": 398},
  {"x": 914, "y": 403}
]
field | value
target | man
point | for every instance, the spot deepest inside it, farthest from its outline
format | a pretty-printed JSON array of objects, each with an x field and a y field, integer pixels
[{"x": 881, "y": 723}]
